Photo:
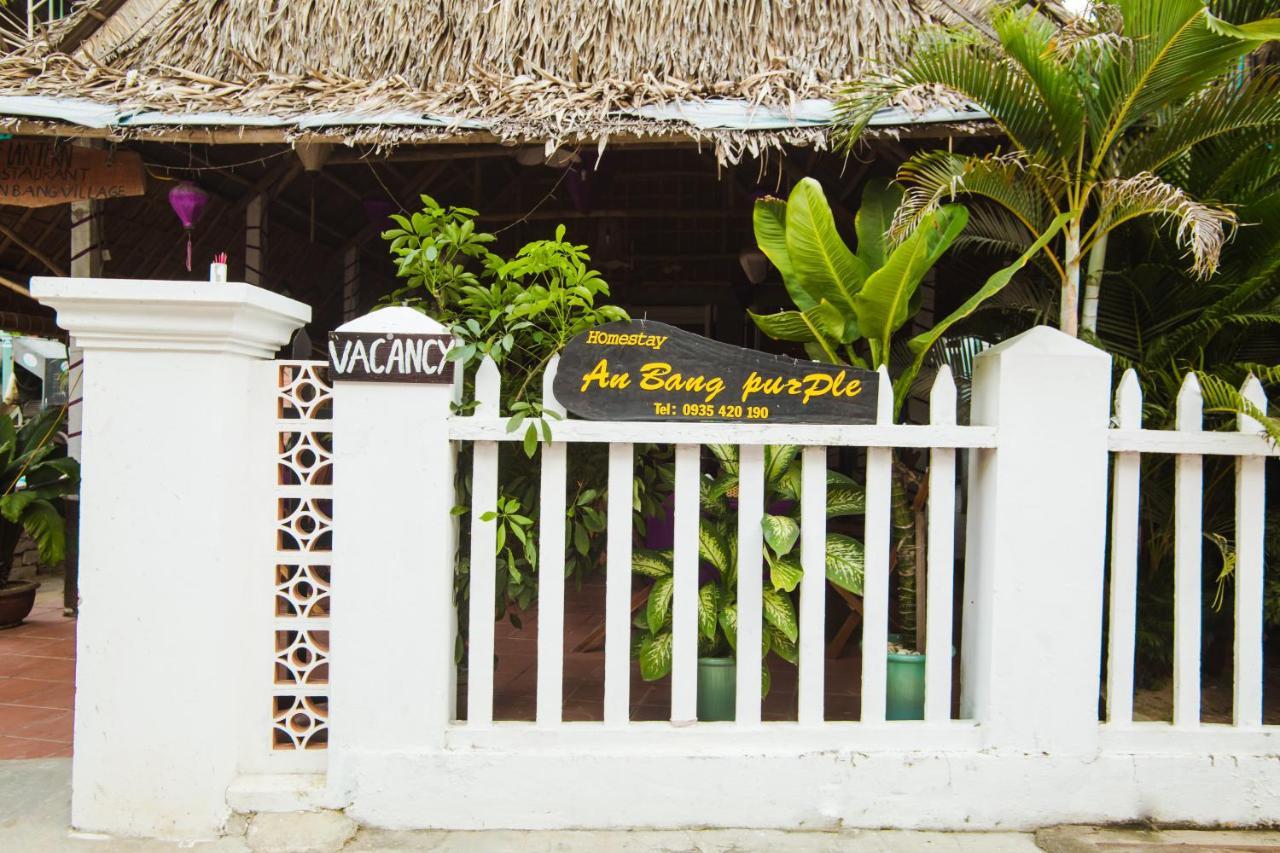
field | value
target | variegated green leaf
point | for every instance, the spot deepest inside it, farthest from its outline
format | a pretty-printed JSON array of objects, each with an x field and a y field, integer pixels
[
  {"x": 780, "y": 533},
  {"x": 786, "y": 648},
  {"x": 781, "y": 613},
  {"x": 726, "y": 455},
  {"x": 655, "y": 656},
  {"x": 846, "y": 562},
  {"x": 777, "y": 459},
  {"x": 765, "y": 680},
  {"x": 785, "y": 573},
  {"x": 846, "y": 500},
  {"x": 659, "y": 608},
  {"x": 712, "y": 547},
  {"x": 788, "y": 485},
  {"x": 729, "y": 622},
  {"x": 651, "y": 564},
  {"x": 708, "y": 609},
  {"x": 711, "y": 493}
]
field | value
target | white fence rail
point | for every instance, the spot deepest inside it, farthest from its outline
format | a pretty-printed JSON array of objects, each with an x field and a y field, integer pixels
[{"x": 1249, "y": 447}]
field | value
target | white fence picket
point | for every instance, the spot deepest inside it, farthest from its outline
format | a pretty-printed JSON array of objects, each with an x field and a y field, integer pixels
[
  {"x": 483, "y": 589},
  {"x": 750, "y": 559},
  {"x": 617, "y": 625},
  {"x": 875, "y": 584},
  {"x": 813, "y": 587},
  {"x": 684, "y": 607},
  {"x": 1124, "y": 557},
  {"x": 1250, "y": 530},
  {"x": 551, "y": 557},
  {"x": 941, "y": 543},
  {"x": 1188, "y": 521}
]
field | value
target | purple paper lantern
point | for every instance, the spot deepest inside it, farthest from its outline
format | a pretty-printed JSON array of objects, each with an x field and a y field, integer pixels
[{"x": 188, "y": 202}]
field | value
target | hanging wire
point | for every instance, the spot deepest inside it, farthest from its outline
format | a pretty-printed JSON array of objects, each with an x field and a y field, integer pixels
[
  {"x": 390, "y": 195},
  {"x": 213, "y": 168},
  {"x": 551, "y": 192}
]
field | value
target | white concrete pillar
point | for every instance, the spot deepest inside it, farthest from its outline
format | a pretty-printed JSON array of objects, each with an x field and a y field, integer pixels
[
  {"x": 393, "y": 675},
  {"x": 1036, "y": 539},
  {"x": 178, "y": 415}
]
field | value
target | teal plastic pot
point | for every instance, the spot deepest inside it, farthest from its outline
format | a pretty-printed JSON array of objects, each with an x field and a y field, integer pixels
[
  {"x": 717, "y": 689},
  {"x": 905, "y": 690}
]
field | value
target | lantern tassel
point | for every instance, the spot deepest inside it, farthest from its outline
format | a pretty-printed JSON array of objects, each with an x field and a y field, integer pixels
[{"x": 188, "y": 250}]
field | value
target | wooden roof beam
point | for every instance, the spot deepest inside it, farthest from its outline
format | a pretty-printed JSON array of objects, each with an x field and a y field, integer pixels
[
  {"x": 17, "y": 226},
  {"x": 31, "y": 249}
]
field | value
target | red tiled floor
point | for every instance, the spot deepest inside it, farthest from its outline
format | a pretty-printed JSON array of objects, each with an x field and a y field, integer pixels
[
  {"x": 37, "y": 681},
  {"x": 16, "y": 747}
]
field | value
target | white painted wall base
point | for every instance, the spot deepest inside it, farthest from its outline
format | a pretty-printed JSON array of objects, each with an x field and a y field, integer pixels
[{"x": 825, "y": 789}]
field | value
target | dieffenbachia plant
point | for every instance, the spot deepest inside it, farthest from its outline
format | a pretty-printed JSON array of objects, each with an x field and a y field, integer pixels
[{"x": 717, "y": 551}]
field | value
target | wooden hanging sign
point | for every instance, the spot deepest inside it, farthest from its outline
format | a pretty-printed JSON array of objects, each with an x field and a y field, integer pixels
[
  {"x": 389, "y": 357},
  {"x": 644, "y": 371},
  {"x": 41, "y": 174}
]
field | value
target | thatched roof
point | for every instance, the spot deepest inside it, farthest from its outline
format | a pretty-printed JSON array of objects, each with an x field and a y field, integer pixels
[{"x": 516, "y": 69}]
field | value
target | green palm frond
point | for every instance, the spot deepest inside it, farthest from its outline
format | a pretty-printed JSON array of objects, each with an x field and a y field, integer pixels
[
  {"x": 1255, "y": 252},
  {"x": 1241, "y": 166},
  {"x": 933, "y": 178},
  {"x": 1268, "y": 374},
  {"x": 993, "y": 230},
  {"x": 1029, "y": 39},
  {"x": 1224, "y": 107},
  {"x": 1196, "y": 325},
  {"x": 1174, "y": 52},
  {"x": 959, "y": 62},
  {"x": 1037, "y": 303},
  {"x": 1221, "y": 398}
]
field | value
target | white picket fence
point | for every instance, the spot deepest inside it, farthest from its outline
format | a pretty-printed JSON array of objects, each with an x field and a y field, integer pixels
[
  {"x": 1189, "y": 443},
  {"x": 486, "y": 428},
  {"x": 179, "y": 722}
]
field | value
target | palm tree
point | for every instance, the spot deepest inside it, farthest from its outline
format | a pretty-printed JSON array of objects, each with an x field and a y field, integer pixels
[{"x": 1102, "y": 114}]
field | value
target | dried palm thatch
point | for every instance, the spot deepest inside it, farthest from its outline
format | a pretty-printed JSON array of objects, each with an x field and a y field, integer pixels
[{"x": 526, "y": 69}]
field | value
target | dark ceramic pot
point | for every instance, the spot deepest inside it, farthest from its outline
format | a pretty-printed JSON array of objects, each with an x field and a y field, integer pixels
[{"x": 16, "y": 600}]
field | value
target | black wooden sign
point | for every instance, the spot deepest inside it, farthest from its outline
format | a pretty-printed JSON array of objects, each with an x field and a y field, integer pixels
[
  {"x": 389, "y": 357},
  {"x": 643, "y": 371}
]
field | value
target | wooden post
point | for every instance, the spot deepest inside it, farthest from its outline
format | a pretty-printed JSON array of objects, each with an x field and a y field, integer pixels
[
  {"x": 351, "y": 283},
  {"x": 255, "y": 239},
  {"x": 86, "y": 262}
]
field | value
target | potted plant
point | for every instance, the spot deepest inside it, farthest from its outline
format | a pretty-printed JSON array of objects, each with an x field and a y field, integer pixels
[
  {"x": 519, "y": 311},
  {"x": 34, "y": 477},
  {"x": 851, "y": 305},
  {"x": 718, "y": 575}
]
